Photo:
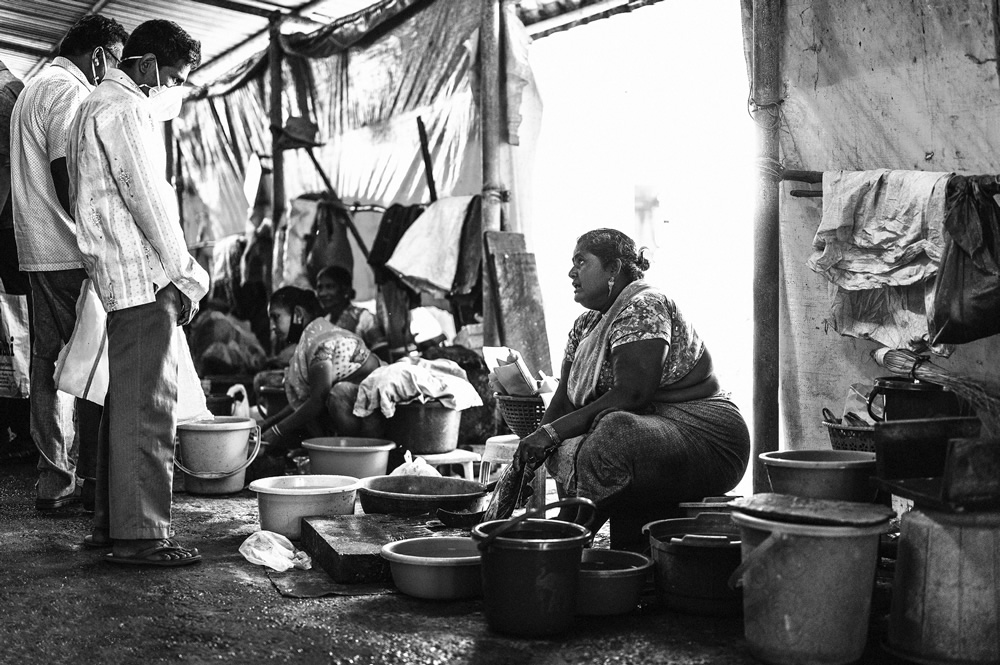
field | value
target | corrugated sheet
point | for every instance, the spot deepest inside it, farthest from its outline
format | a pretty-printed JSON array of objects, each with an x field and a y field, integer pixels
[
  {"x": 28, "y": 27},
  {"x": 31, "y": 28}
]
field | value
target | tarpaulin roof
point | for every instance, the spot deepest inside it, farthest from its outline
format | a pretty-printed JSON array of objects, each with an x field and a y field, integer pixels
[{"x": 232, "y": 31}]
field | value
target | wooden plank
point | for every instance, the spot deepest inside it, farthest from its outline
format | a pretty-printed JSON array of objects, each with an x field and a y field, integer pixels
[
  {"x": 972, "y": 471},
  {"x": 502, "y": 242},
  {"x": 521, "y": 316},
  {"x": 917, "y": 448}
]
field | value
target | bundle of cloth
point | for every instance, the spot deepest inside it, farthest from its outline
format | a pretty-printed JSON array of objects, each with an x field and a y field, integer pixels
[{"x": 415, "y": 380}]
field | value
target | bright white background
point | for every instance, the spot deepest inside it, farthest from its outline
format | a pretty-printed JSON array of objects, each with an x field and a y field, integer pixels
[{"x": 655, "y": 99}]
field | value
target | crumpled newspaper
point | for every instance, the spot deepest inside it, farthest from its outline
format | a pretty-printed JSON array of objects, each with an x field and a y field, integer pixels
[{"x": 266, "y": 548}]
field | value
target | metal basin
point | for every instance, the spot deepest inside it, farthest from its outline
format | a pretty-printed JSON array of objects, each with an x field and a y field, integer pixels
[{"x": 415, "y": 495}]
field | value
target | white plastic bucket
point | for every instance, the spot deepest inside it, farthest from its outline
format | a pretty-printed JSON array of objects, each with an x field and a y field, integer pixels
[
  {"x": 282, "y": 501},
  {"x": 214, "y": 453},
  {"x": 806, "y": 589}
]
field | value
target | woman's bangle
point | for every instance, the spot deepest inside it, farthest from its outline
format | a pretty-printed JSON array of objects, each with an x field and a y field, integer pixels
[
  {"x": 277, "y": 432},
  {"x": 550, "y": 431}
]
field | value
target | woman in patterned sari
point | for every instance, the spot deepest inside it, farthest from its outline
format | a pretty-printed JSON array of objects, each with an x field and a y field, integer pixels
[
  {"x": 638, "y": 422},
  {"x": 321, "y": 382}
]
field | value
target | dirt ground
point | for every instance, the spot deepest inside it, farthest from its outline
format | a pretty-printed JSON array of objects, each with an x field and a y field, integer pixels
[{"x": 62, "y": 604}]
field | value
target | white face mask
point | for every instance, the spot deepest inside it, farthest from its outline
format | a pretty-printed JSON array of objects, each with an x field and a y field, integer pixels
[{"x": 164, "y": 101}]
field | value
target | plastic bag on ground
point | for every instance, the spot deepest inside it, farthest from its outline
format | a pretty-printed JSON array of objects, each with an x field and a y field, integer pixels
[
  {"x": 414, "y": 467},
  {"x": 266, "y": 548}
]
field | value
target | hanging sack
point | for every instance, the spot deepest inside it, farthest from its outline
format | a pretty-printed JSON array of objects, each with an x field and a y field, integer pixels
[
  {"x": 966, "y": 304},
  {"x": 82, "y": 366},
  {"x": 15, "y": 345}
]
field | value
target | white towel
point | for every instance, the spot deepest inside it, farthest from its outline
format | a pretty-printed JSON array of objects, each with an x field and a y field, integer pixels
[
  {"x": 426, "y": 257},
  {"x": 879, "y": 228}
]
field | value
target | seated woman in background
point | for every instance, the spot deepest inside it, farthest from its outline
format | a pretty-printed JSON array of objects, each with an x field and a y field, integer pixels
[
  {"x": 335, "y": 290},
  {"x": 638, "y": 422},
  {"x": 322, "y": 378}
]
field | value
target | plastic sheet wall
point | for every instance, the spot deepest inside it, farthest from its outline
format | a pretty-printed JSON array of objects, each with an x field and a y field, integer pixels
[
  {"x": 891, "y": 84},
  {"x": 366, "y": 100}
]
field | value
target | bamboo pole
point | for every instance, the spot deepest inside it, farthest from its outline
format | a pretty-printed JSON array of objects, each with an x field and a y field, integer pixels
[
  {"x": 276, "y": 121},
  {"x": 489, "y": 81},
  {"x": 766, "y": 96},
  {"x": 425, "y": 150}
]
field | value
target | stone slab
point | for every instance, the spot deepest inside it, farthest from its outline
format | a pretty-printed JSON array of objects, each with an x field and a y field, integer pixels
[{"x": 348, "y": 548}]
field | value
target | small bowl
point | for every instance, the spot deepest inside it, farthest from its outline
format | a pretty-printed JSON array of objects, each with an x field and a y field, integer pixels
[
  {"x": 348, "y": 456},
  {"x": 610, "y": 581},
  {"x": 283, "y": 501},
  {"x": 435, "y": 568},
  {"x": 842, "y": 475},
  {"x": 415, "y": 495}
]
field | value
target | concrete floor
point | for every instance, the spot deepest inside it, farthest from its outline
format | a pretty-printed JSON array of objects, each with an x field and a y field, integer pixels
[{"x": 62, "y": 604}]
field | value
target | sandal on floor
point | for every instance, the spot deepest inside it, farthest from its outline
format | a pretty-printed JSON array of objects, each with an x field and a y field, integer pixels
[
  {"x": 92, "y": 543},
  {"x": 167, "y": 553}
]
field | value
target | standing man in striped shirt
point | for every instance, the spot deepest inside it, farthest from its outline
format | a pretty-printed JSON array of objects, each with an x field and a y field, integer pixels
[
  {"x": 48, "y": 251},
  {"x": 134, "y": 251}
]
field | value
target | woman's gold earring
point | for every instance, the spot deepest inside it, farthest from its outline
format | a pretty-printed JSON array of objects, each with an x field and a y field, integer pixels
[{"x": 611, "y": 284}]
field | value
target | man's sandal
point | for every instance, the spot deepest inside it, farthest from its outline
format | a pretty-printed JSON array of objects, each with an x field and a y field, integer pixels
[{"x": 166, "y": 553}]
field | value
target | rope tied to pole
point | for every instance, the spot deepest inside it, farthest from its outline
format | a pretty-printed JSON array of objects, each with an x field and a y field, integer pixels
[
  {"x": 771, "y": 167},
  {"x": 498, "y": 194}
]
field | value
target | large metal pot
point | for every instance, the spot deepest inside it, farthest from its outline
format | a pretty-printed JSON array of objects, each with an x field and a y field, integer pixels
[
  {"x": 415, "y": 495},
  {"x": 694, "y": 558}
]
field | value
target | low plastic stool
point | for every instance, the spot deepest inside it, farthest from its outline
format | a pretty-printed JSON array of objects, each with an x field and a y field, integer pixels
[
  {"x": 501, "y": 450},
  {"x": 463, "y": 458}
]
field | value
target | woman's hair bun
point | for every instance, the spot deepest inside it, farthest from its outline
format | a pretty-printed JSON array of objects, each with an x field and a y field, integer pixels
[{"x": 642, "y": 263}]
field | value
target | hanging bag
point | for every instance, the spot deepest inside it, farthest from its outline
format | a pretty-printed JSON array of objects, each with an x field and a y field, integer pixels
[
  {"x": 966, "y": 304},
  {"x": 15, "y": 345},
  {"x": 82, "y": 366}
]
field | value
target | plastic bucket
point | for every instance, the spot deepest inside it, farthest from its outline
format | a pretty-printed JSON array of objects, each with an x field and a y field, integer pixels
[
  {"x": 424, "y": 429},
  {"x": 841, "y": 475},
  {"x": 806, "y": 589},
  {"x": 530, "y": 570},
  {"x": 215, "y": 453}
]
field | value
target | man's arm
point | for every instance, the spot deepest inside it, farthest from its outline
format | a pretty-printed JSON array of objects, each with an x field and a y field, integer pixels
[{"x": 60, "y": 178}]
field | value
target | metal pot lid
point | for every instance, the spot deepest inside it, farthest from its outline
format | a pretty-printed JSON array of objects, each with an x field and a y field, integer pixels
[
  {"x": 904, "y": 383},
  {"x": 821, "y": 512}
]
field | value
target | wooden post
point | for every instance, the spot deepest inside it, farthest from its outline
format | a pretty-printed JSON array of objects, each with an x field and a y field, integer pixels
[
  {"x": 277, "y": 160},
  {"x": 767, "y": 20},
  {"x": 489, "y": 82}
]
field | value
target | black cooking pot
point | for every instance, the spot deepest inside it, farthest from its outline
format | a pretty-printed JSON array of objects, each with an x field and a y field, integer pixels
[{"x": 908, "y": 399}]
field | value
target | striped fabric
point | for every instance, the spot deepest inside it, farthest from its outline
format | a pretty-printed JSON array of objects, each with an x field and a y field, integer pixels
[
  {"x": 129, "y": 231},
  {"x": 46, "y": 235}
]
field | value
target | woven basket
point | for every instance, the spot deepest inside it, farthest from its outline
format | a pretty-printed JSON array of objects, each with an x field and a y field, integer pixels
[
  {"x": 847, "y": 437},
  {"x": 523, "y": 415}
]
